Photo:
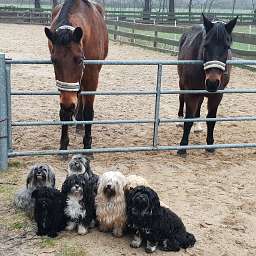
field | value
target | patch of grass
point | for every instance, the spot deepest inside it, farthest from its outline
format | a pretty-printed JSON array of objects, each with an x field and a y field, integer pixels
[
  {"x": 47, "y": 242},
  {"x": 17, "y": 225},
  {"x": 71, "y": 250}
]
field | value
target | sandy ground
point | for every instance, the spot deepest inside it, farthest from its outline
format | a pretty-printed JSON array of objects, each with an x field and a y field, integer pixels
[{"x": 213, "y": 193}]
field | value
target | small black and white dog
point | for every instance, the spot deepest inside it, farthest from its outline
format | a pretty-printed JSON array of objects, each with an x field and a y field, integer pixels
[
  {"x": 80, "y": 203},
  {"x": 49, "y": 211},
  {"x": 157, "y": 226},
  {"x": 40, "y": 175}
]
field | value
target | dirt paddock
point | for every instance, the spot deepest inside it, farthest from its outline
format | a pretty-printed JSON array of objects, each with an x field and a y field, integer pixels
[{"x": 213, "y": 193}]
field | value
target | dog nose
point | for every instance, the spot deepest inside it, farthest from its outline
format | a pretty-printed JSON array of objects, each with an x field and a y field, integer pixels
[
  {"x": 77, "y": 186},
  {"x": 108, "y": 186}
]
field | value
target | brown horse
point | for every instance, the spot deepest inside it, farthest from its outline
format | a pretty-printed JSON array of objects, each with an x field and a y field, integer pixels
[
  {"x": 77, "y": 32},
  {"x": 210, "y": 43}
]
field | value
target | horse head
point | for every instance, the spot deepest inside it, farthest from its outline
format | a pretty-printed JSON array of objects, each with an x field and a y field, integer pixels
[
  {"x": 66, "y": 49},
  {"x": 216, "y": 51}
]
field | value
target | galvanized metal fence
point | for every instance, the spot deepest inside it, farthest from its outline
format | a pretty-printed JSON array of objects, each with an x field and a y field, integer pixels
[{"x": 6, "y": 123}]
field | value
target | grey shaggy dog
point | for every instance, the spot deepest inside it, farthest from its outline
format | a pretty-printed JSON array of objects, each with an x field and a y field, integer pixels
[
  {"x": 40, "y": 175},
  {"x": 79, "y": 165}
]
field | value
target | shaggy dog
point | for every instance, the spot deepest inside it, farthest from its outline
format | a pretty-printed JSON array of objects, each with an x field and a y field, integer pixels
[
  {"x": 49, "y": 211},
  {"x": 79, "y": 207},
  {"x": 110, "y": 203},
  {"x": 156, "y": 225},
  {"x": 40, "y": 175},
  {"x": 134, "y": 180},
  {"x": 79, "y": 165}
]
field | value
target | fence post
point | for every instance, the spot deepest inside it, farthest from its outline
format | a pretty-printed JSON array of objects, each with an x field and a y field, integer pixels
[
  {"x": 133, "y": 37},
  {"x": 3, "y": 115},
  {"x": 155, "y": 33},
  {"x": 157, "y": 105},
  {"x": 9, "y": 104},
  {"x": 116, "y": 29}
]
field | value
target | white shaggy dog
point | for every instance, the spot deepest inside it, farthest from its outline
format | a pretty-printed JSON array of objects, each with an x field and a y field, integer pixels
[
  {"x": 134, "y": 181},
  {"x": 110, "y": 203}
]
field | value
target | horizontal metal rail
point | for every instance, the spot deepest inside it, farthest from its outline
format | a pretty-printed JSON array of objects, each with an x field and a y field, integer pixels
[
  {"x": 132, "y": 62},
  {"x": 116, "y": 93},
  {"x": 135, "y": 121},
  {"x": 128, "y": 149}
]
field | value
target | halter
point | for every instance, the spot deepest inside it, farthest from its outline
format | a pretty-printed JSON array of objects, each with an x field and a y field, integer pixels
[
  {"x": 65, "y": 86},
  {"x": 215, "y": 64}
]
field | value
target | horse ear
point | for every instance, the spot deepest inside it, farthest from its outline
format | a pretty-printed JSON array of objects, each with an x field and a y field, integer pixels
[
  {"x": 49, "y": 34},
  {"x": 230, "y": 26},
  {"x": 207, "y": 24},
  {"x": 77, "y": 35}
]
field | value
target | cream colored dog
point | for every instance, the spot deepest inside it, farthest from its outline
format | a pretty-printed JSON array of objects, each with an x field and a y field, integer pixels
[
  {"x": 110, "y": 203},
  {"x": 134, "y": 180}
]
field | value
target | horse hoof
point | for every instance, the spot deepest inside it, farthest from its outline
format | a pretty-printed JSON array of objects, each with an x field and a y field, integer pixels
[
  {"x": 182, "y": 152},
  {"x": 210, "y": 150},
  {"x": 89, "y": 155}
]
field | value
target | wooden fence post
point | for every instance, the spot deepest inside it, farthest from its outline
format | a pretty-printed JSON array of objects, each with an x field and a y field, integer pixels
[
  {"x": 116, "y": 29},
  {"x": 155, "y": 33}
]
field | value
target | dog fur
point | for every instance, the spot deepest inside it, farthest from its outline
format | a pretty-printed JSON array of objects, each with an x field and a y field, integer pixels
[
  {"x": 49, "y": 211},
  {"x": 39, "y": 175},
  {"x": 154, "y": 224},
  {"x": 134, "y": 181},
  {"x": 110, "y": 203},
  {"x": 79, "y": 206}
]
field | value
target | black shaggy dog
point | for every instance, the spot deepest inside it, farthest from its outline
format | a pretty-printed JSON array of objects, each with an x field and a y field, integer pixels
[
  {"x": 49, "y": 211},
  {"x": 80, "y": 203},
  {"x": 157, "y": 226}
]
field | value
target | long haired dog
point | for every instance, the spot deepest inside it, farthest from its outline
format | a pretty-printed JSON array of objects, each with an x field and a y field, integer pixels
[
  {"x": 49, "y": 211},
  {"x": 156, "y": 225},
  {"x": 40, "y": 175},
  {"x": 79, "y": 165},
  {"x": 110, "y": 203},
  {"x": 79, "y": 207},
  {"x": 134, "y": 181}
]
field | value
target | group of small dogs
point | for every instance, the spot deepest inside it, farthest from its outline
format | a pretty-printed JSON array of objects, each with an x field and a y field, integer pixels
[{"x": 112, "y": 202}]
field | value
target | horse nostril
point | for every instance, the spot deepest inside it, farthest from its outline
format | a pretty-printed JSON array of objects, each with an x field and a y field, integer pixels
[{"x": 212, "y": 85}]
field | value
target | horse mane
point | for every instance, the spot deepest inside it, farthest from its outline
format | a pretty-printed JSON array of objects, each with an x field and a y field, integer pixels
[
  {"x": 64, "y": 37},
  {"x": 63, "y": 18},
  {"x": 218, "y": 33}
]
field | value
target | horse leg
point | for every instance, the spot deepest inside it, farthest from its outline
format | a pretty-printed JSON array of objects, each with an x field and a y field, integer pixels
[
  {"x": 79, "y": 114},
  {"x": 213, "y": 104},
  {"x": 181, "y": 110},
  {"x": 90, "y": 84},
  {"x": 66, "y": 114},
  {"x": 197, "y": 126},
  {"x": 191, "y": 107}
]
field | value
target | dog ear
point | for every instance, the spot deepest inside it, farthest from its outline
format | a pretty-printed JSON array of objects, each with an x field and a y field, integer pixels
[
  {"x": 30, "y": 177},
  {"x": 51, "y": 175},
  {"x": 65, "y": 186}
]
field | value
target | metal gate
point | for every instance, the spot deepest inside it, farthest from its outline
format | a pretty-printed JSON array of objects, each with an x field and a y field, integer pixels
[{"x": 6, "y": 124}]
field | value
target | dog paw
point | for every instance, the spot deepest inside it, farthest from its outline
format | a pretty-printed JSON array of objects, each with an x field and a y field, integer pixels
[
  {"x": 70, "y": 226},
  {"x": 52, "y": 235},
  {"x": 117, "y": 232},
  {"x": 135, "y": 244},
  {"x": 82, "y": 230}
]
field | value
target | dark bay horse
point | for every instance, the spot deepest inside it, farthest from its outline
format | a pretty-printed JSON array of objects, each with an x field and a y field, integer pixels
[
  {"x": 78, "y": 31},
  {"x": 210, "y": 43}
]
